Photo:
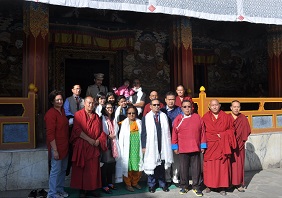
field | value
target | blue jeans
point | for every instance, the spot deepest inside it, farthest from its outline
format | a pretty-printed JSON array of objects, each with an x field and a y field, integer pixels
[{"x": 57, "y": 175}]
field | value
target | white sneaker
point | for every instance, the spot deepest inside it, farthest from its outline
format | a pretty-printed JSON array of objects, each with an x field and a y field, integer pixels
[
  {"x": 63, "y": 194},
  {"x": 175, "y": 180}
]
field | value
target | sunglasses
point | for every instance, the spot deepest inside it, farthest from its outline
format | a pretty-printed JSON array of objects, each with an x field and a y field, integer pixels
[
  {"x": 131, "y": 113},
  {"x": 156, "y": 105},
  {"x": 186, "y": 107}
]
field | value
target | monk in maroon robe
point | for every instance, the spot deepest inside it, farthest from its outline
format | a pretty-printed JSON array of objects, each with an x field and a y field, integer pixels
[
  {"x": 220, "y": 139},
  {"x": 242, "y": 131},
  {"x": 88, "y": 139},
  {"x": 181, "y": 95}
]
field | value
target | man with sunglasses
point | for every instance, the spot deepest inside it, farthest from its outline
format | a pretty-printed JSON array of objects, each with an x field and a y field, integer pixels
[
  {"x": 188, "y": 141},
  {"x": 156, "y": 146},
  {"x": 153, "y": 95}
]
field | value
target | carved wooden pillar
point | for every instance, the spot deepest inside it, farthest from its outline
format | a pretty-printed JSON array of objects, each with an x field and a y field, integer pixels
[
  {"x": 181, "y": 54},
  {"x": 275, "y": 60},
  {"x": 35, "y": 55}
]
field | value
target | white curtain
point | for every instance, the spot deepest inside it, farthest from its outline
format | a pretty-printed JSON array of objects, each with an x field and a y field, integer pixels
[{"x": 254, "y": 11}]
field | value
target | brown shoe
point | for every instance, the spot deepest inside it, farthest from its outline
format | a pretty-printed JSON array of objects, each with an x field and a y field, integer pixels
[
  {"x": 129, "y": 188},
  {"x": 137, "y": 186},
  {"x": 208, "y": 190}
]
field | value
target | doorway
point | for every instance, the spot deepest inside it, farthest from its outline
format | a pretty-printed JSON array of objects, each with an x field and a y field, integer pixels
[{"x": 81, "y": 71}]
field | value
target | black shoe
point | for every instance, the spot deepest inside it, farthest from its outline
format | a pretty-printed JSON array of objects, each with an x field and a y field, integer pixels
[
  {"x": 165, "y": 189},
  {"x": 112, "y": 187},
  {"x": 32, "y": 194},
  {"x": 93, "y": 193},
  {"x": 82, "y": 194},
  {"x": 42, "y": 194},
  {"x": 168, "y": 184},
  {"x": 152, "y": 189},
  {"x": 107, "y": 190}
]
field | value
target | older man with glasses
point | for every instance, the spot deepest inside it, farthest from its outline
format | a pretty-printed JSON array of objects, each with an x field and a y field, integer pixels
[
  {"x": 156, "y": 146},
  {"x": 188, "y": 141}
]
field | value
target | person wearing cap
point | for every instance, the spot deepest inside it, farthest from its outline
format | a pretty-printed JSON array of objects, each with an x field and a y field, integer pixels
[{"x": 92, "y": 90}]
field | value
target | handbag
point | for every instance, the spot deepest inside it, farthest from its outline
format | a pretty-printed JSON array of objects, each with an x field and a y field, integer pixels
[{"x": 107, "y": 157}]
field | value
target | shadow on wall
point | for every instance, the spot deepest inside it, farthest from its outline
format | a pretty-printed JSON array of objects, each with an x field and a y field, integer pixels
[{"x": 252, "y": 163}]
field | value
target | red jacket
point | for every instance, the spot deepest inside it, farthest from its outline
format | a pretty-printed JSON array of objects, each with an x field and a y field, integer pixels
[
  {"x": 188, "y": 134},
  {"x": 57, "y": 128}
]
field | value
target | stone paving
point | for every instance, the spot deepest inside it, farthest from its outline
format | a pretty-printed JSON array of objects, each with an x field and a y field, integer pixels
[{"x": 259, "y": 184}]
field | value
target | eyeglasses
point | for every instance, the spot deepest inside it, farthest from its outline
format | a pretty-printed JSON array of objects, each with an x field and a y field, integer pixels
[
  {"x": 186, "y": 107},
  {"x": 156, "y": 105},
  {"x": 131, "y": 113}
]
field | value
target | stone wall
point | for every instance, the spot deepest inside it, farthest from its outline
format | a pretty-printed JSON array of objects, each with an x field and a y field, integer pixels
[{"x": 28, "y": 169}]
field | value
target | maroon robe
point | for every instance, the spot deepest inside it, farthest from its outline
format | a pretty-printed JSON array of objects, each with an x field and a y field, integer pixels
[
  {"x": 242, "y": 131},
  {"x": 217, "y": 167},
  {"x": 178, "y": 101},
  {"x": 86, "y": 174}
]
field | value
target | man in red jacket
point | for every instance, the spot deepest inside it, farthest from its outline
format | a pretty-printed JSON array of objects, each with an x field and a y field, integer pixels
[
  {"x": 220, "y": 140},
  {"x": 242, "y": 131},
  {"x": 189, "y": 140}
]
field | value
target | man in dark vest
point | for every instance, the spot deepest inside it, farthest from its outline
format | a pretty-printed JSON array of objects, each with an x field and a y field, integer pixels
[{"x": 71, "y": 106}]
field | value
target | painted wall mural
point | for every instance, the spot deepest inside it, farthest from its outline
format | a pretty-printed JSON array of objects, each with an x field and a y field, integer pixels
[
  {"x": 11, "y": 46},
  {"x": 235, "y": 58},
  {"x": 147, "y": 62}
]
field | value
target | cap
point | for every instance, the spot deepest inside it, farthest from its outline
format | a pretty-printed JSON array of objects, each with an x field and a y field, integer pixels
[{"x": 99, "y": 76}]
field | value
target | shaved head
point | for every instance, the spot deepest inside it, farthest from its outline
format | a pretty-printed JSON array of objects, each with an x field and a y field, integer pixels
[{"x": 214, "y": 106}]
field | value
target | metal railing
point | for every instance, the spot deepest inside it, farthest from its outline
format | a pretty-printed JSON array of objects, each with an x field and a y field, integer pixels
[{"x": 261, "y": 120}]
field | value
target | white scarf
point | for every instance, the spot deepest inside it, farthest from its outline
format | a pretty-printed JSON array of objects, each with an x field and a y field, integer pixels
[
  {"x": 139, "y": 96},
  {"x": 152, "y": 158},
  {"x": 98, "y": 110},
  {"x": 124, "y": 143}
]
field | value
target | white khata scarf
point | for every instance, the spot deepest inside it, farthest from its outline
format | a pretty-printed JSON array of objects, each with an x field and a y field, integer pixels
[
  {"x": 139, "y": 96},
  {"x": 152, "y": 158},
  {"x": 124, "y": 144}
]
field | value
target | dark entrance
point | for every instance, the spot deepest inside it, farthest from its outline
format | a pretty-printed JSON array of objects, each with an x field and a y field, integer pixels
[{"x": 80, "y": 71}]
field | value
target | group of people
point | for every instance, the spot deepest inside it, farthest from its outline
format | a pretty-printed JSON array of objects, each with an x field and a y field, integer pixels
[{"x": 113, "y": 133}]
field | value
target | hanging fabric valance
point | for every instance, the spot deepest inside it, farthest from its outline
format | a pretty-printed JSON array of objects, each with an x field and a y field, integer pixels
[{"x": 254, "y": 11}]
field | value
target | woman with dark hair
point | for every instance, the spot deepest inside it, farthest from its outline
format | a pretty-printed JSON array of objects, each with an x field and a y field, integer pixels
[
  {"x": 57, "y": 132},
  {"x": 130, "y": 164},
  {"x": 109, "y": 157},
  {"x": 120, "y": 113},
  {"x": 111, "y": 98},
  {"x": 100, "y": 100}
]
